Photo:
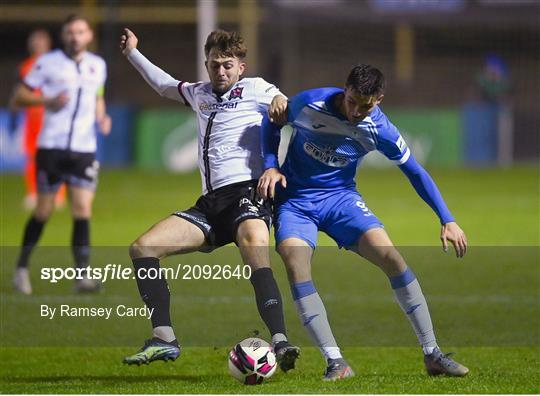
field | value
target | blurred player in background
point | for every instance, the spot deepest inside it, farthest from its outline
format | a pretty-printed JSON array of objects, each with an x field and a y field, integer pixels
[
  {"x": 71, "y": 81},
  {"x": 38, "y": 43},
  {"x": 333, "y": 130},
  {"x": 229, "y": 112}
]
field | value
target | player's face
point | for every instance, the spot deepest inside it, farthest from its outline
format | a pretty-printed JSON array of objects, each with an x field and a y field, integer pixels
[
  {"x": 224, "y": 71},
  {"x": 76, "y": 36},
  {"x": 356, "y": 107},
  {"x": 39, "y": 42}
]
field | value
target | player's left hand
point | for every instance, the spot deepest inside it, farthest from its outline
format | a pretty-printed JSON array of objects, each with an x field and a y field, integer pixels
[
  {"x": 105, "y": 125},
  {"x": 277, "y": 112},
  {"x": 453, "y": 233},
  {"x": 267, "y": 182}
]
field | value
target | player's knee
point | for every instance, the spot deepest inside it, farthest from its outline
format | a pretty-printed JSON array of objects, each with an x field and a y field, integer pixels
[
  {"x": 253, "y": 238},
  {"x": 293, "y": 253},
  {"x": 79, "y": 210},
  {"x": 142, "y": 247},
  {"x": 42, "y": 215},
  {"x": 391, "y": 261},
  {"x": 286, "y": 253},
  {"x": 43, "y": 212}
]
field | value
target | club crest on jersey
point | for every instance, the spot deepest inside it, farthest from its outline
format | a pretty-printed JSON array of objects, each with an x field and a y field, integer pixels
[
  {"x": 236, "y": 93},
  {"x": 326, "y": 155}
]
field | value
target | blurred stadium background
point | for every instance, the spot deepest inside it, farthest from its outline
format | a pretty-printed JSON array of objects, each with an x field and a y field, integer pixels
[{"x": 463, "y": 75}]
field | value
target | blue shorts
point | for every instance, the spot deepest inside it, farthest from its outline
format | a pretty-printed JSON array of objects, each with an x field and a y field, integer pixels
[{"x": 341, "y": 214}]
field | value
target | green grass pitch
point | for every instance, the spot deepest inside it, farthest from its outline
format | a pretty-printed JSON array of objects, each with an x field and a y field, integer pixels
[{"x": 485, "y": 307}]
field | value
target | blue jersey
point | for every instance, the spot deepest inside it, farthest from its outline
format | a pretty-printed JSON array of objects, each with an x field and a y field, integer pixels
[{"x": 325, "y": 148}]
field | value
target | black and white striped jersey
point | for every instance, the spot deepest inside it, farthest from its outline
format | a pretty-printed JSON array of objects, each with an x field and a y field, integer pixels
[
  {"x": 229, "y": 142},
  {"x": 73, "y": 126},
  {"x": 229, "y": 145}
]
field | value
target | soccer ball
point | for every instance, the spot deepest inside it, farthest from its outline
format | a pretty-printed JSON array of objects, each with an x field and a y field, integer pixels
[{"x": 251, "y": 361}]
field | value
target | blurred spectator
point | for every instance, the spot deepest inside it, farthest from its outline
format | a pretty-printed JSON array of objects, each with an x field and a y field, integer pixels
[
  {"x": 38, "y": 43},
  {"x": 487, "y": 118},
  {"x": 493, "y": 81}
]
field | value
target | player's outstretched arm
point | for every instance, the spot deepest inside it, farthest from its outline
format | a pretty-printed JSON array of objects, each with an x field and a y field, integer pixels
[
  {"x": 428, "y": 191},
  {"x": 160, "y": 81}
]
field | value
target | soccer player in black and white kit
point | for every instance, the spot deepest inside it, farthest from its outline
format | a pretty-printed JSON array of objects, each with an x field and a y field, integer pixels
[
  {"x": 229, "y": 112},
  {"x": 72, "y": 85}
]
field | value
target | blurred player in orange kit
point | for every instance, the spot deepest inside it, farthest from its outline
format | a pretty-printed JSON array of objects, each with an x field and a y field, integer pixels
[{"x": 39, "y": 42}]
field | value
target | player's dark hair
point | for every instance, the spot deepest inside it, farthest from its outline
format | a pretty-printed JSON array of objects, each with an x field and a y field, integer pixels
[
  {"x": 226, "y": 43},
  {"x": 74, "y": 17},
  {"x": 367, "y": 80}
]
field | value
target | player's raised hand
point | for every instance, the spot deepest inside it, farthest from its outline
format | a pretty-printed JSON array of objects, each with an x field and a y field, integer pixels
[
  {"x": 453, "y": 233},
  {"x": 277, "y": 112},
  {"x": 128, "y": 41},
  {"x": 267, "y": 182}
]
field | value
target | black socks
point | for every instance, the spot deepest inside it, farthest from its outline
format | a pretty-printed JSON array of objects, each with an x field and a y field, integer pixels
[
  {"x": 268, "y": 300},
  {"x": 80, "y": 242},
  {"x": 154, "y": 292},
  {"x": 32, "y": 232}
]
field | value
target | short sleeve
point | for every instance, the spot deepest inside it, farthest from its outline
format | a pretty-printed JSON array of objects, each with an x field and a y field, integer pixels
[
  {"x": 187, "y": 92},
  {"x": 265, "y": 92},
  {"x": 103, "y": 72},
  {"x": 103, "y": 78},
  {"x": 390, "y": 142},
  {"x": 38, "y": 74}
]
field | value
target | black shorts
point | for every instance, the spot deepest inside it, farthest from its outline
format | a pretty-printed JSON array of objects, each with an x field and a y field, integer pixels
[
  {"x": 55, "y": 167},
  {"x": 219, "y": 213}
]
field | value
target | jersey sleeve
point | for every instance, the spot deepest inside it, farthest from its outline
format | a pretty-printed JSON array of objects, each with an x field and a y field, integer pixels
[
  {"x": 298, "y": 102},
  {"x": 104, "y": 72},
  {"x": 393, "y": 146},
  {"x": 426, "y": 188},
  {"x": 165, "y": 85},
  {"x": 389, "y": 141},
  {"x": 270, "y": 138},
  {"x": 37, "y": 75},
  {"x": 101, "y": 89},
  {"x": 187, "y": 92},
  {"x": 264, "y": 93}
]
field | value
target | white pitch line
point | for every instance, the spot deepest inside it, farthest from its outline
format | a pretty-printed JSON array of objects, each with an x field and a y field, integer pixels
[{"x": 104, "y": 298}]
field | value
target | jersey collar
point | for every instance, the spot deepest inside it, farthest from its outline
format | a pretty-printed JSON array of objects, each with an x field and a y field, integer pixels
[
  {"x": 329, "y": 102},
  {"x": 83, "y": 56}
]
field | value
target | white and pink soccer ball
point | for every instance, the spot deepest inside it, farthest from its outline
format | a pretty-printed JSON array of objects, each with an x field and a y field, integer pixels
[{"x": 251, "y": 361}]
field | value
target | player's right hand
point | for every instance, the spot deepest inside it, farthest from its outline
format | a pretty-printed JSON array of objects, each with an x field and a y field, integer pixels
[
  {"x": 277, "y": 112},
  {"x": 128, "y": 41},
  {"x": 267, "y": 182},
  {"x": 56, "y": 103}
]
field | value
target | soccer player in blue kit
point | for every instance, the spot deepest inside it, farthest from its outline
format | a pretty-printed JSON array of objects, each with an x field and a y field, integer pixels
[{"x": 315, "y": 190}]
